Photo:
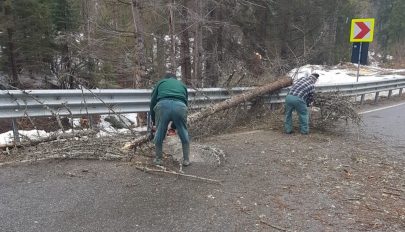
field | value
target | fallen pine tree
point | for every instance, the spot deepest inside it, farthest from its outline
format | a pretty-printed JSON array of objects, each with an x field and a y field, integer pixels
[{"x": 227, "y": 104}]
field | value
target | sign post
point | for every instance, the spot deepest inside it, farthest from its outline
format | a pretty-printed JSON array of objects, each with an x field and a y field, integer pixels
[
  {"x": 358, "y": 64},
  {"x": 362, "y": 30}
]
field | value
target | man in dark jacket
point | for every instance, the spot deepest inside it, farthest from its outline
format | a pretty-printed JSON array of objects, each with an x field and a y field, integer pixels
[
  {"x": 300, "y": 96},
  {"x": 169, "y": 104}
]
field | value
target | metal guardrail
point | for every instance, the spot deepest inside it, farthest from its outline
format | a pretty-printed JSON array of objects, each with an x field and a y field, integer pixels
[{"x": 36, "y": 103}]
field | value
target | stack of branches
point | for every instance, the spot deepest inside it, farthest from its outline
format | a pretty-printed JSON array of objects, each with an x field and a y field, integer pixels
[{"x": 333, "y": 107}]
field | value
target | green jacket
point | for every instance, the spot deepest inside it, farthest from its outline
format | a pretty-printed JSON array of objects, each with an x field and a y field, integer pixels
[{"x": 168, "y": 88}]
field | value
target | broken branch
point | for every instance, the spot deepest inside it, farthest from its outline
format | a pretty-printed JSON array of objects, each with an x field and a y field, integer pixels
[{"x": 146, "y": 169}]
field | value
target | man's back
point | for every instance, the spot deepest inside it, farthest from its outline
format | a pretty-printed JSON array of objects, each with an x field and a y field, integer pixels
[
  {"x": 304, "y": 88},
  {"x": 171, "y": 88}
]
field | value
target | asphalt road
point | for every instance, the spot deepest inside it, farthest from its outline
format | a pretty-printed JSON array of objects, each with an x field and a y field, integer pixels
[
  {"x": 82, "y": 195},
  {"x": 263, "y": 179},
  {"x": 387, "y": 123}
]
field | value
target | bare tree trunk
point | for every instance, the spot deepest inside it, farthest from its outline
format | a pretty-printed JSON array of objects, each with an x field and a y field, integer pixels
[
  {"x": 211, "y": 63},
  {"x": 214, "y": 46},
  {"x": 240, "y": 98},
  {"x": 185, "y": 47},
  {"x": 90, "y": 16},
  {"x": 173, "y": 65},
  {"x": 13, "y": 64},
  {"x": 197, "y": 46},
  {"x": 11, "y": 46},
  {"x": 139, "y": 56},
  {"x": 331, "y": 42},
  {"x": 161, "y": 55},
  {"x": 227, "y": 104},
  {"x": 67, "y": 65},
  {"x": 285, "y": 31}
]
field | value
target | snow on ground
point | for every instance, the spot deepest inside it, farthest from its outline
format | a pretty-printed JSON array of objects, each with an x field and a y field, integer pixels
[
  {"x": 346, "y": 73},
  {"x": 343, "y": 73},
  {"x": 105, "y": 130},
  {"x": 8, "y": 137}
]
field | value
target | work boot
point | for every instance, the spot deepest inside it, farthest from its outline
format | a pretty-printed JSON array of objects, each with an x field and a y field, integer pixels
[
  {"x": 186, "y": 163},
  {"x": 157, "y": 161}
]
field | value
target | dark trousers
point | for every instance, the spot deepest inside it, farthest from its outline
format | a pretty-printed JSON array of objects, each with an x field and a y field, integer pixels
[
  {"x": 296, "y": 103},
  {"x": 175, "y": 111}
]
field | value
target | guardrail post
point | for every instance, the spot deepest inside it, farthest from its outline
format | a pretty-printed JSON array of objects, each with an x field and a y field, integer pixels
[
  {"x": 376, "y": 97},
  {"x": 400, "y": 91},
  {"x": 389, "y": 94},
  {"x": 15, "y": 131},
  {"x": 362, "y": 99}
]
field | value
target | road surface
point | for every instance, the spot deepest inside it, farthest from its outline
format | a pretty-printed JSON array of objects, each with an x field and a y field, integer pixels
[
  {"x": 270, "y": 182},
  {"x": 387, "y": 123}
]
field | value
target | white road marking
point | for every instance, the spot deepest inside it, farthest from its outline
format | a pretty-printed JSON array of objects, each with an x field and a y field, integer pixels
[{"x": 382, "y": 108}]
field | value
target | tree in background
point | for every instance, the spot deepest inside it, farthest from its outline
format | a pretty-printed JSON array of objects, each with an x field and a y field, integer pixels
[
  {"x": 391, "y": 28},
  {"x": 65, "y": 20},
  {"x": 132, "y": 43},
  {"x": 7, "y": 41}
]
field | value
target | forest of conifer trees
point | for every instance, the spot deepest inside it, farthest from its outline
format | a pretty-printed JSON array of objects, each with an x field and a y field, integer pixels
[{"x": 131, "y": 43}]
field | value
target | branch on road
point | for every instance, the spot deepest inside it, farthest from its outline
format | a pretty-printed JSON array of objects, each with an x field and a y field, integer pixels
[
  {"x": 164, "y": 170},
  {"x": 332, "y": 107}
]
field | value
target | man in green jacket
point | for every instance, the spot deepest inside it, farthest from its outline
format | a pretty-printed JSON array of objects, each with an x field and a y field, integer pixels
[{"x": 169, "y": 104}]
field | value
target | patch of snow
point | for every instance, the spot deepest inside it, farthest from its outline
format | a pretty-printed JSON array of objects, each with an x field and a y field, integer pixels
[
  {"x": 6, "y": 138},
  {"x": 76, "y": 122},
  {"x": 372, "y": 60},
  {"x": 104, "y": 124},
  {"x": 105, "y": 130},
  {"x": 345, "y": 73}
]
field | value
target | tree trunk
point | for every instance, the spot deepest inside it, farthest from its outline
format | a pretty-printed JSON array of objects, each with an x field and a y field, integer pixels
[
  {"x": 173, "y": 65},
  {"x": 197, "y": 46},
  {"x": 285, "y": 29},
  {"x": 185, "y": 47},
  {"x": 67, "y": 66},
  {"x": 139, "y": 56},
  {"x": 160, "y": 55},
  {"x": 13, "y": 64},
  {"x": 89, "y": 16},
  {"x": 331, "y": 42},
  {"x": 211, "y": 63},
  {"x": 11, "y": 46},
  {"x": 227, "y": 104},
  {"x": 240, "y": 98}
]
